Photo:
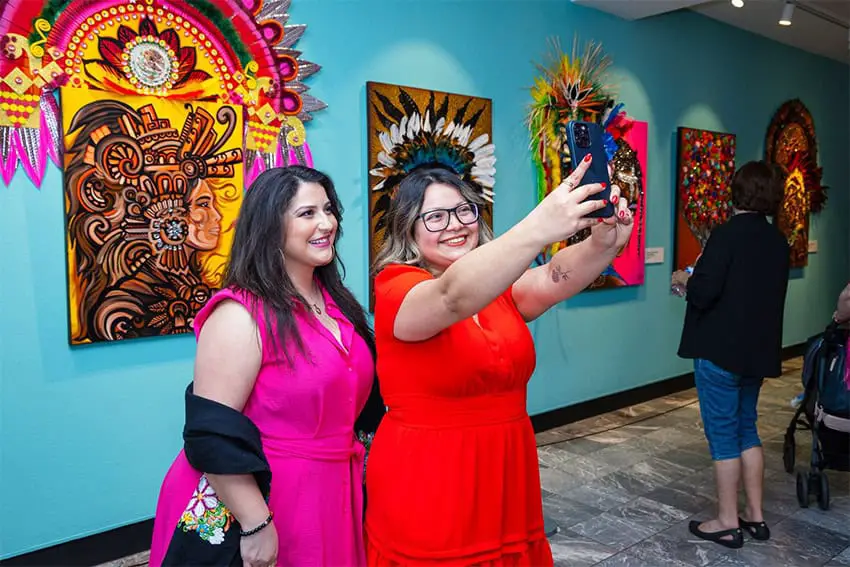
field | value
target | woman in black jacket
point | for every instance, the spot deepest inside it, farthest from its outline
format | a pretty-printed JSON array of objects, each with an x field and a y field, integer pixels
[{"x": 733, "y": 332}]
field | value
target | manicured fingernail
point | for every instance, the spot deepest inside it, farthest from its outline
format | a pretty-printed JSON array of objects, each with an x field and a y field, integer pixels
[
  {"x": 588, "y": 157},
  {"x": 614, "y": 199},
  {"x": 604, "y": 185},
  {"x": 598, "y": 220},
  {"x": 622, "y": 214},
  {"x": 604, "y": 201}
]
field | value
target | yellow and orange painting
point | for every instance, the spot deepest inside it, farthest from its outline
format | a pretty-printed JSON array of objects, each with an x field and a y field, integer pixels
[{"x": 152, "y": 191}]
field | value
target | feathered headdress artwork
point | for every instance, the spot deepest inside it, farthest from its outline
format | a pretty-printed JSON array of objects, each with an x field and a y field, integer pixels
[
  {"x": 412, "y": 135},
  {"x": 572, "y": 86},
  {"x": 232, "y": 51}
]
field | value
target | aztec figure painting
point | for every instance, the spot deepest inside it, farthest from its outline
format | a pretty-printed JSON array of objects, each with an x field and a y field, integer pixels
[{"x": 152, "y": 191}]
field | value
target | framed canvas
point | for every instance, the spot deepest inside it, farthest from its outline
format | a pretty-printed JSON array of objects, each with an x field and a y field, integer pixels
[
  {"x": 704, "y": 170},
  {"x": 410, "y": 127},
  {"x": 152, "y": 190}
]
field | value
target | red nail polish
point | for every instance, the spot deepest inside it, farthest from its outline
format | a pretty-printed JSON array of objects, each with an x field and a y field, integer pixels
[
  {"x": 588, "y": 157},
  {"x": 622, "y": 214},
  {"x": 604, "y": 201},
  {"x": 604, "y": 185},
  {"x": 598, "y": 220},
  {"x": 614, "y": 199}
]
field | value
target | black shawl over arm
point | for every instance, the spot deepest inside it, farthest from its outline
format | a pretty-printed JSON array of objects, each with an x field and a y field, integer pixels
[{"x": 217, "y": 439}]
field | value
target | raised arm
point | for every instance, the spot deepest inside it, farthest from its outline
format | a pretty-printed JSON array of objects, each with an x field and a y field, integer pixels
[
  {"x": 228, "y": 358},
  {"x": 573, "y": 268},
  {"x": 479, "y": 277}
]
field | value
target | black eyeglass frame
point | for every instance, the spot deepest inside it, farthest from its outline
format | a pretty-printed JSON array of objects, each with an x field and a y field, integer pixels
[{"x": 449, "y": 213}]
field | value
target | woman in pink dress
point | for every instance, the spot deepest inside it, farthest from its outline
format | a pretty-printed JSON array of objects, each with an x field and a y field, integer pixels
[{"x": 283, "y": 385}]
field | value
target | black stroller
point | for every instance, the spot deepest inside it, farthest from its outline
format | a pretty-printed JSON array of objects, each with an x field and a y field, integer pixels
[{"x": 825, "y": 410}]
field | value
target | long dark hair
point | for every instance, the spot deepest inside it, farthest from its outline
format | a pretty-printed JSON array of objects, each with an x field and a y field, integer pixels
[{"x": 257, "y": 265}]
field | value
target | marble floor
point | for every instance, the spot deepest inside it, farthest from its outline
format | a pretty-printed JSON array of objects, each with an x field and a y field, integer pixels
[{"x": 622, "y": 487}]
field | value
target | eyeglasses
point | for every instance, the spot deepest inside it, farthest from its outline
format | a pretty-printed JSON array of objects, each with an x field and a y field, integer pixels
[{"x": 436, "y": 220}]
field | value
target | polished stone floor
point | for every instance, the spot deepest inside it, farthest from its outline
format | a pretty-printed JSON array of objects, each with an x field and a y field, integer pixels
[{"x": 623, "y": 486}]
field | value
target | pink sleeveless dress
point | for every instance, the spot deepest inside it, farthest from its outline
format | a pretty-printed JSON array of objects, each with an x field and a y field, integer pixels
[{"x": 306, "y": 418}]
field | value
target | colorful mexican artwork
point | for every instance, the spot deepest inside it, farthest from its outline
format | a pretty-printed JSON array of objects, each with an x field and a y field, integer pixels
[
  {"x": 705, "y": 166},
  {"x": 575, "y": 87},
  {"x": 791, "y": 143},
  {"x": 152, "y": 191},
  {"x": 234, "y": 52},
  {"x": 409, "y": 127}
]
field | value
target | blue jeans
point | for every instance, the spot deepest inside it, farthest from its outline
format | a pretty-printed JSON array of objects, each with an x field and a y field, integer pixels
[{"x": 727, "y": 403}]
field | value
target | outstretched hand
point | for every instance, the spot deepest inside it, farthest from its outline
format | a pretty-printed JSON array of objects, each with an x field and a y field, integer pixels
[{"x": 564, "y": 211}]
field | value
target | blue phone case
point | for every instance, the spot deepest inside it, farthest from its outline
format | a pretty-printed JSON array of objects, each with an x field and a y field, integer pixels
[{"x": 598, "y": 171}]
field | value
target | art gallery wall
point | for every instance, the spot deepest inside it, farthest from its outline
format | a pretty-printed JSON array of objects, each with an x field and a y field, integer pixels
[{"x": 88, "y": 433}]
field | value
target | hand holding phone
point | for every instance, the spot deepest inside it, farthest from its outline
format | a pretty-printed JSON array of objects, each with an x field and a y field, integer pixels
[{"x": 585, "y": 138}]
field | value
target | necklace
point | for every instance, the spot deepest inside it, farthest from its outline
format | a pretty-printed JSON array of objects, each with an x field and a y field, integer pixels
[{"x": 315, "y": 307}]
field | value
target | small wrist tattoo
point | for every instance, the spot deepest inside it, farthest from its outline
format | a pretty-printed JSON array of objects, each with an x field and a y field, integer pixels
[{"x": 559, "y": 274}]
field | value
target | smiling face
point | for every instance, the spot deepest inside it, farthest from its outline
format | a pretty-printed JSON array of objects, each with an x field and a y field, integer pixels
[
  {"x": 204, "y": 219},
  {"x": 309, "y": 228},
  {"x": 440, "y": 249}
]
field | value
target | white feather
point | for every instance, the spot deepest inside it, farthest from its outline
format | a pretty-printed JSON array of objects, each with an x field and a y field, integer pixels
[
  {"x": 488, "y": 161},
  {"x": 411, "y": 127},
  {"x": 483, "y": 171},
  {"x": 450, "y": 129},
  {"x": 386, "y": 142},
  {"x": 478, "y": 142},
  {"x": 402, "y": 127},
  {"x": 385, "y": 159},
  {"x": 395, "y": 136},
  {"x": 486, "y": 180},
  {"x": 484, "y": 151},
  {"x": 417, "y": 124},
  {"x": 427, "y": 124},
  {"x": 441, "y": 123},
  {"x": 379, "y": 186}
]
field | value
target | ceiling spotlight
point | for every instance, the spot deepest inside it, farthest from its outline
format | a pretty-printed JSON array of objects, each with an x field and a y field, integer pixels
[
  {"x": 787, "y": 12},
  {"x": 738, "y": 3}
]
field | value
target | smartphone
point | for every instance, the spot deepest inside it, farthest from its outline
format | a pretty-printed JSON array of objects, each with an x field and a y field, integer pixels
[{"x": 586, "y": 138}]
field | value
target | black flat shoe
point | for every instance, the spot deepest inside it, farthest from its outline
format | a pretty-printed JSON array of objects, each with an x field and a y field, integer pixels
[
  {"x": 758, "y": 530},
  {"x": 736, "y": 542}
]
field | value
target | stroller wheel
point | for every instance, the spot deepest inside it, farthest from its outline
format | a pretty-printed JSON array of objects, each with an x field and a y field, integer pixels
[
  {"x": 823, "y": 492},
  {"x": 789, "y": 450},
  {"x": 802, "y": 490}
]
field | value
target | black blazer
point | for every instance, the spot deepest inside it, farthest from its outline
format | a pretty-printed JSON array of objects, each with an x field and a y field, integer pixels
[{"x": 736, "y": 298}]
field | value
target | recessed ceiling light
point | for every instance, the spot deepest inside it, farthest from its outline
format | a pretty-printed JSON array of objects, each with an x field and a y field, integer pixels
[
  {"x": 787, "y": 13},
  {"x": 738, "y": 3}
]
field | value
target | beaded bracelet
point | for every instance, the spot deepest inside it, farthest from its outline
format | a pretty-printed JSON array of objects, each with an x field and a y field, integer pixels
[{"x": 258, "y": 528}]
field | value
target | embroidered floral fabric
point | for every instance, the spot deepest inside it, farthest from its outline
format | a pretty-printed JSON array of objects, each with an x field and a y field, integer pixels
[{"x": 206, "y": 514}]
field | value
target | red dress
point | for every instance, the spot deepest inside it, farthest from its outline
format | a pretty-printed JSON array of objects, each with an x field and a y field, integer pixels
[{"x": 452, "y": 477}]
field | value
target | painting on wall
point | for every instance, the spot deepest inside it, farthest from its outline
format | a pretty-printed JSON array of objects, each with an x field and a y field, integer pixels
[
  {"x": 792, "y": 144},
  {"x": 409, "y": 127},
  {"x": 705, "y": 166},
  {"x": 152, "y": 190},
  {"x": 575, "y": 86}
]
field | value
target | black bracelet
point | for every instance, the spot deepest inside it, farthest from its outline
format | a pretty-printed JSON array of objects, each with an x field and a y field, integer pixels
[{"x": 258, "y": 528}]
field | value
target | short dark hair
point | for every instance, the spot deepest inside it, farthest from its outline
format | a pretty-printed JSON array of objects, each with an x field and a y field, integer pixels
[{"x": 758, "y": 186}]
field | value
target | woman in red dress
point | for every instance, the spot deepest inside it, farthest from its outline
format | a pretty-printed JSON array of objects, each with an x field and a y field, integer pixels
[{"x": 453, "y": 476}]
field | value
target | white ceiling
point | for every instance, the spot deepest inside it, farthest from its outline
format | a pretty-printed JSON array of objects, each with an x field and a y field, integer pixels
[{"x": 808, "y": 32}]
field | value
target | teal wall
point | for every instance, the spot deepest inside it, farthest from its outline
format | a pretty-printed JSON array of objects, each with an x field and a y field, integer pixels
[{"x": 87, "y": 433}]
